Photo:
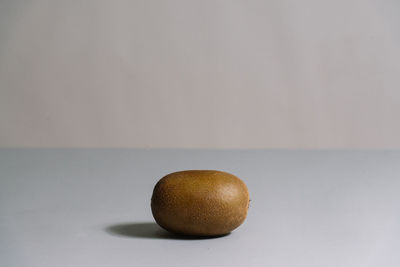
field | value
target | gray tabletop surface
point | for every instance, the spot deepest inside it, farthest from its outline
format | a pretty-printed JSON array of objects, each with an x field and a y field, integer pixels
[{"x": 91, "y": 207}]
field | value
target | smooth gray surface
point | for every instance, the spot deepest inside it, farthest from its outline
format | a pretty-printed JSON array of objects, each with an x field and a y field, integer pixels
[
  {"x": 309, "y": 208},
  {"x": 200, "y": 73}
]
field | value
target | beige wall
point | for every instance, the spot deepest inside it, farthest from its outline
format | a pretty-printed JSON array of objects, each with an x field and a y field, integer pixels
[{"x": 225, "y": 74}]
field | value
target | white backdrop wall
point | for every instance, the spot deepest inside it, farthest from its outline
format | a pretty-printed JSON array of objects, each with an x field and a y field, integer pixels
[{"x": 208, "y": 74}]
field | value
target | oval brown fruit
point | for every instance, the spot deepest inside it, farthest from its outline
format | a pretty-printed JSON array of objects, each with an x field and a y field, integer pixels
[{"x": 200, "y": 202}]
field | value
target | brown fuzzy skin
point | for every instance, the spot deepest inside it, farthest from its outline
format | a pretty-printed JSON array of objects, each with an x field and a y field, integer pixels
[{"x": 200, "y": 202}]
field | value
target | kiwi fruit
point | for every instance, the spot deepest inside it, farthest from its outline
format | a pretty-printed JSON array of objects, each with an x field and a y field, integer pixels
[{"x": 200, "y": 202}]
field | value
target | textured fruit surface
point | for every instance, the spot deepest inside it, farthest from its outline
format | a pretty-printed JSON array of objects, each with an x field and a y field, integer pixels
[{"x": 200, "y": 202}]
